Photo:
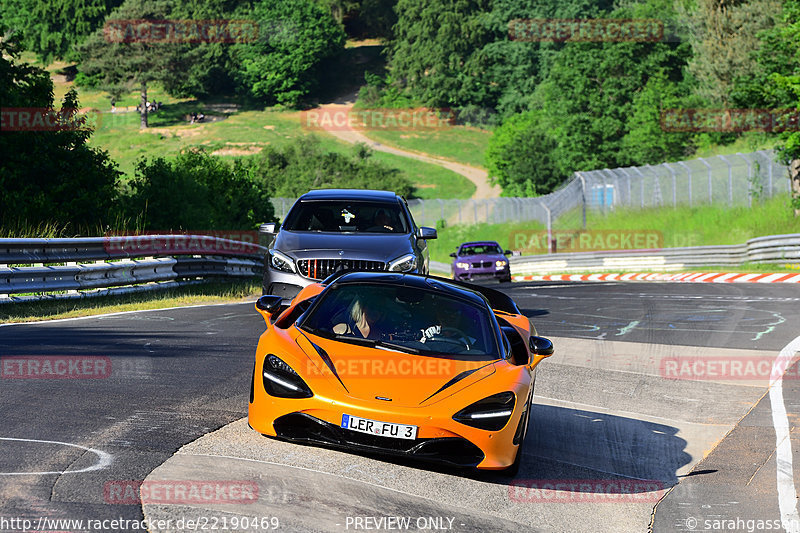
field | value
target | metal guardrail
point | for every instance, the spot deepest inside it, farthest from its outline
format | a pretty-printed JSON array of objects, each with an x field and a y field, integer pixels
[
  {"x": 769, "y": 249},
  {"x": 92, "y": 266}
]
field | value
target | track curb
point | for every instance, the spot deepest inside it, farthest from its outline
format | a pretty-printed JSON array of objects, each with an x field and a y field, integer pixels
[{"x": 684, "y": 277}]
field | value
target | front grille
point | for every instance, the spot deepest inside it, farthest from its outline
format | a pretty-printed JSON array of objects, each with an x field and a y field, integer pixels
[
  {"x": 482, "y": 264},
  {"x": 319, "y": 269},
  {"x": 306, "y": 428}
]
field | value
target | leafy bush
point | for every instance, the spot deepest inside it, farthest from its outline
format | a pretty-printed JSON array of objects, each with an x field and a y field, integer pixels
[
  {"x": 303, "y": 164},
  {"x": 196, "y": 191},
  {"x": 521, "y": 159}
]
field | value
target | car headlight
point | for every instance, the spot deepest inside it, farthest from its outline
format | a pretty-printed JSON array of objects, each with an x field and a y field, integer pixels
[
  {"x": 491, "y": 413},
  {"x": 465, "y": 266},
  {"x": 501, "y": 263},
  {"x": 403, "y": 264},
  {"x": 282, "y": 381},
  {"x": 281, "y": 262}
]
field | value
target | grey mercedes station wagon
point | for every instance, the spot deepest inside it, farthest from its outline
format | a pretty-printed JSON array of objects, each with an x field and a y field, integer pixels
[{"x": 330, "y": 230}]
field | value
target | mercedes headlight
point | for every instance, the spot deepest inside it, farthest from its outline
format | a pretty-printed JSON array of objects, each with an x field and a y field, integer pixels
[
  {"x": 281, "y": 262},
  {"x": 403, "y": 264}
]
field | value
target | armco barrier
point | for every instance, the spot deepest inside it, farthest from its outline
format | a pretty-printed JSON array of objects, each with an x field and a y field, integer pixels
[
  {"x": 92, "y": 265},
  {"x": 770, "y": 249}
]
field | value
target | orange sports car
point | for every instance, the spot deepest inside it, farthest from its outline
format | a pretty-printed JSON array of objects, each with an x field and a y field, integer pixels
[{"x": 400, "y": 364}]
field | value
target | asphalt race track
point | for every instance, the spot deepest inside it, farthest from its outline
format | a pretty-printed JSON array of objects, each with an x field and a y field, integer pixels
[{"x": 622, "y": 407}]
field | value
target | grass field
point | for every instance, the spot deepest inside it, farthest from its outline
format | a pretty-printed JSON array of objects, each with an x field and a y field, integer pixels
[
  {"x": 209, "y": 293},
  {"x": 227, "y": 133},
  {"x": 684, "y": 226},
  {"x": 463, "y": 144}
]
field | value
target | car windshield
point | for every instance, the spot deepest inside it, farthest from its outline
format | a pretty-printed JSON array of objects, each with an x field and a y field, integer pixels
[
  {"x": 480, "y": 249},
  {"x": 419, "y": 321},
  {"x": 347, "y": 216}
]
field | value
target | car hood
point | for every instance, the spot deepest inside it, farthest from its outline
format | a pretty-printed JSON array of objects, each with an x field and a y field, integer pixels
[
  {"x": 481, "y": 257},
  {"x": 405, "y": 380},
  {"x": 313, "y": 245}
]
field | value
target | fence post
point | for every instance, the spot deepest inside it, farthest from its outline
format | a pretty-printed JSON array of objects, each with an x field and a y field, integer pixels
[
  {"x": 636, "y": 169},
  {"x": 689, "y": 175},
  {"x": 549, "y": 229},
  {"x": 674, "y": 186},
  {"x": 749, "y": 179},
  {"x": 768, "y": 158},
  {"x": 708, "y": 166},
  {"x": 583, "y": 197},
  {"x": 628, "y": 179},
  {"x": 730, "y": 179}
]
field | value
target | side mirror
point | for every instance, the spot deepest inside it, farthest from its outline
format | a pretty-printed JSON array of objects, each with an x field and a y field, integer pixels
[
  {"x": 269, "y": 303},
  {"x": 427, "y": 233},
  {"x": 269, "y": 227},
  {"x": 454, "y": 254},
  {"x": 540, "y": 346},
  {"x": 507, "y": 252}
]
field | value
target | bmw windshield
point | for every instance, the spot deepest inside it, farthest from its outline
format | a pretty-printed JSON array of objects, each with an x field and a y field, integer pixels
[{"x": 419, "y": 321}]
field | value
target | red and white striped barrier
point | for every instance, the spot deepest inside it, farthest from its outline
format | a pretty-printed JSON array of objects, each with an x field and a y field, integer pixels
[{"x": 688, "y": 277}]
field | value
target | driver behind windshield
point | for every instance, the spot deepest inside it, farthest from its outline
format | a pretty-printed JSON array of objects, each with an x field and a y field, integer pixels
[{"x": 365, "y": 319}]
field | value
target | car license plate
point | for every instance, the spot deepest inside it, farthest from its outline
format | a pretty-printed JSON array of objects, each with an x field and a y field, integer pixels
[{"x": 383, "y": 429}]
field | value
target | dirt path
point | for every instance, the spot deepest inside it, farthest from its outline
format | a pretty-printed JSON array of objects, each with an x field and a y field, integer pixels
[{"x": 478, "y": 176}]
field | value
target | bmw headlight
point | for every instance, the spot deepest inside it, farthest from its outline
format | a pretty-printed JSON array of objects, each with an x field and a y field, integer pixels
[
  {"x": 403, "y": 264},
  {"x": 281, "y": 262},
  {"x": 501, "y": 263},
  {"x": 282, "y": 381},
  {"x": 491, "y": 413},
  {"x": 465, "y": 266}
]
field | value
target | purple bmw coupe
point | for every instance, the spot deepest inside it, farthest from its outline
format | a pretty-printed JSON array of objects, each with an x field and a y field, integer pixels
[{"x": 480, "y": 260}]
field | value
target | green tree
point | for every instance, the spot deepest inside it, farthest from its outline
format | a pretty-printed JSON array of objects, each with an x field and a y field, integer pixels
[
  {"x": 724, "y": 39},
  {"x": 297, "y": 36},
  {"x": 52, "y": 29},
  {"x": 125, "y": 61},
  {"x": 49, "y": 176},
  {"x": 196, "y": 191},
  {"x": 433, "y": 51},
  {"x": 646, "y": 140},
  {"x": 521, "y": 159}
]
